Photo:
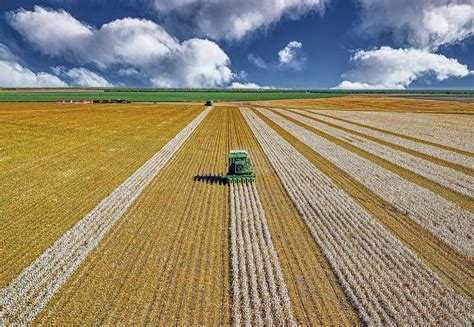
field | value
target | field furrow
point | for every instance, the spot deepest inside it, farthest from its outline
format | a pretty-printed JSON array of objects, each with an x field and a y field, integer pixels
[
  {"x": 465, "y": 162},
  {"x": 450, "y": 178},
  {"x": 448, "y": 131},
  {"x": 385, "y": 281},
  {"x": 255, "y": 262},
  {"x": 29, "y": 292},
  {"x": 444, "y": 219}
]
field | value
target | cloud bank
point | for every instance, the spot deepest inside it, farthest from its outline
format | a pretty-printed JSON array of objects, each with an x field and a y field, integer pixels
[
  {"x": 422, "y": 27},
  {"x": 234, "y": 19},
  {"x": 289, "y": 57},
  {"x": 125, "y": 44},
  {"x": 422, "y": 24},
  {"x": 388, "y": 68},
  {"x": 13, "y": 74}
]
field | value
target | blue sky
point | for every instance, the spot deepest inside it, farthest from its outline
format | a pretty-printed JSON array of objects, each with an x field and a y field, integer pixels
[{"x": 317, "y": 44}]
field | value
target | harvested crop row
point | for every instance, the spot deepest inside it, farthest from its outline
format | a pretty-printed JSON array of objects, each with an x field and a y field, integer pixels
[
  {"x": 316, "y": 296},
  {"x": 28, "y": 293},
  {"x": 259, "y": 291},
  {"x": 436, "y": 152},
  {"x": 385, "y": 281},
  {"x": 60, "y": 164},
  {"x": 443, "y": 130},
  {"x": 445, "y": 176},
  {"x": 447, "y": 221}
]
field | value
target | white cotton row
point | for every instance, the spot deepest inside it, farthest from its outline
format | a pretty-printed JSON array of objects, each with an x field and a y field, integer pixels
[
  {"x": 452, "y": 130},
  {"x": 436, "y": 152},
  {"x": 441, "y": 217},
  {"x": 260, "y": 295},
  {"x": 385, "y": 282},
  {"x": 448, "y": 177},
  {"x": 29, "y": 292}
]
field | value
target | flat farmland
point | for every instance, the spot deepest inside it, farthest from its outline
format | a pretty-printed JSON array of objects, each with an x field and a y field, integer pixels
[
  {"x": 361, "y": 213},
  {"x": 57, "y": 163}
]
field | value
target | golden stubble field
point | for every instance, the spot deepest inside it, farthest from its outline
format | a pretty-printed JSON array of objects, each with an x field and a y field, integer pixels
[{"x": 366, "y": 215}]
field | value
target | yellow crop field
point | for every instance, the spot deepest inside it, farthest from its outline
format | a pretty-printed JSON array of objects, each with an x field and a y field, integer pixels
[
  {"x": 57, "y": 163},
  {"x": 359, "y": 213}
]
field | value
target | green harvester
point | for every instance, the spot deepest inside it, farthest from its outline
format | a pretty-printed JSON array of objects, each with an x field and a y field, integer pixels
[{"x": 240, "y": 167}]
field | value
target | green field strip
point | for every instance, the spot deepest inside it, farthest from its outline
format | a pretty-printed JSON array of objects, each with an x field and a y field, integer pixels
[{"x": 161, "y": 96}]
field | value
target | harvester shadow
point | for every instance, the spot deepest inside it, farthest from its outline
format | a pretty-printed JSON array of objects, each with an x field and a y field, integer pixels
[{"x": 210, "y": 179}]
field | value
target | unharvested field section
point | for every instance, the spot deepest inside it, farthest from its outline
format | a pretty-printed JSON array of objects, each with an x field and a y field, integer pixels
[
  {"x": 436, "y": 153},
  {"x": 368, "y": 103},
  {"x": 426, "y": 206},
  {"x": 449, "y": 131},
  {"x": 259, "y": 292},
  {"x": 57, "y": 164}
]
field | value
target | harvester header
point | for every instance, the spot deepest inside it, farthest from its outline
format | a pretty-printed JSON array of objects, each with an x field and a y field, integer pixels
[{"x": 240, "y": 169}]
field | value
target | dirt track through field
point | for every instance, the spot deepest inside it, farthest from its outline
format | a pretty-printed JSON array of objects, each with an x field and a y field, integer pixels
[
  {"x": 27, "y": 294},
  {"x": 260, "y": 295},
  {"x": 384, "y": 279}
]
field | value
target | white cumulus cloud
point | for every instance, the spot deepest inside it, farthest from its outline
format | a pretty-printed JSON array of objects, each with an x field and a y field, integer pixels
[
  {"x": 422, "y": 27},
  {"x": 423, "y": 24},
  {"x": 288, "y": 56},
  {"x": 388, "y": 68},
  {"x": 13, "y": 74},
  {"x": 53, "y": 32},
  {"x": 233, "y": 19},
  {"x": 196, "y": 62},
  {"x": 125, "y": 43}
]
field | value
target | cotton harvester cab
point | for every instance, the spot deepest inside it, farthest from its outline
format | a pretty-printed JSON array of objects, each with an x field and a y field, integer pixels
[{"x": 240, "y": 167}]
